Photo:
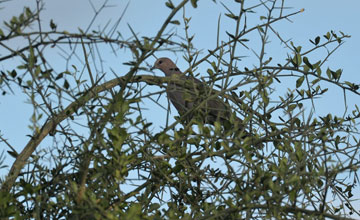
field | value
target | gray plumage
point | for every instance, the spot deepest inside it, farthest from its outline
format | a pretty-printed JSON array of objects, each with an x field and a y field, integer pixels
[{"x": 193, "y": 94}]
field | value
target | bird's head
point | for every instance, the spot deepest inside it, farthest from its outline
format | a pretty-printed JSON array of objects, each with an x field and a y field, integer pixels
[{"x": 167, "y": 66}]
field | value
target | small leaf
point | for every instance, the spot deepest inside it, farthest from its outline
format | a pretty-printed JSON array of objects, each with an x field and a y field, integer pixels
[
  {"x": 13, "y": 73},
  {"x": 327, "y": 36},
  {"x": 194, "y": 3},
  {"x": 317, "y": 40},
  {"x": 210, "y": 72},
  {"x": 31, "y": 58},
  {"x": 232, "y": 36},
  {"x": 260, "y": 29},
  {"x": 300, "y": 81},
  {"x": 175, "y": 22},
  {"x": 170, "y": 5},
  {"x": 66, "y": 84},
  {"x": 349, "y": 84},
  {"x": 300, "y": 92},
  {"x": 316, "y": 65},
  {"x": 52, "y": 25},
  {"x": 337, "y": 74},
  {"x": 265, "y": 98},
  {"x": 306, "y": 61},
  {"x": 37, "y": 71},
  {"x": 296, "y": 61},
  {"x": 328, "y": 73},
  {"x": 59, "y": 76},
  {"x": 306, "y": 68},
  {"x": 154, "y": 206},
  {"x": 291, "y": 107},
  {"x": 315, "y": 81},
  {"x": 13, "y": 154},
  {"x": 268, "y": 61},
  {"x": 232, "y": 16},
  {"x": 28, "y": 12}
]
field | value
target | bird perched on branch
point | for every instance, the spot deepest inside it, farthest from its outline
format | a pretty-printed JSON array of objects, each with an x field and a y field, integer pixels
[{"x": 188, "y": 93}]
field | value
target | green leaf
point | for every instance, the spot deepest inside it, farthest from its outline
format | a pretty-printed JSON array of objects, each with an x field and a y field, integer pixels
[
  {"x": 334, "y": 75},
  {"x": 318, "y": 70},
  {"x": 349, "y": 84},
  {"x": 268, "y": 61},
  {"x": 217, "y": 127},
  {"x": 117, "y": 135},
  {"x": 306, "y": 68},
  {"x": 194, "y": 3},
  {"x": 306, "y": 61},
  {"x": 315, "y": 81},
  {"x": 147, "y": 44},
  {"x": 337, "y": 74},
  {"x": 300, "y": 81},
  {"x": 164, "y": 139},
  {"x": 13, "y": 73},
  {"x": 300, "y": 92},
  {"x": 294, "y": 179},
  {"x": 210, "y": 72},
  {"x": 260, "y": 29},
  {"x": 14, "y": 20},
  {"x": 327, "y": 36},
  {"x": 292, "y": 195},
  {"x": 21, "y": 67},
  {"x": 37, "y": 71},
  {"x": 154, "y": 206},
  {"x": 170, "y": 5},
  {"x": 213, "y": 64},
  {"x": 352, "y": 85},
  {"x": 316, "y": 65},
  {"x": 175, "y": 22},
  {"x": 291, "y": 107},
  {"x": 66, "y": 84},
  {"x": 52, "y": 25},
  {"x": 296, "y": 61},
  {"x": 317, "y": 40},
  {"x": 59, "y": 76},
  {"x": 265, "y": 98},
  {"x": 31, "y": 59},
  {"x": 28, "y": 12},
  {"x": 297, "y": 49},
  {"x": 232, "y": 16},
  {"x": 230, "y": 35},
  {"x": 13, "y": 154}
]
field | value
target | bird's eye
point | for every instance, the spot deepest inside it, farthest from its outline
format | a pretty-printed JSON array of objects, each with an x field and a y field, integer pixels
[{"x": 160, "y": 61}]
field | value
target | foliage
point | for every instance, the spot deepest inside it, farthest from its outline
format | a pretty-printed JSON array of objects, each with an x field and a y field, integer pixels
[{"x": 108, "y": 161}]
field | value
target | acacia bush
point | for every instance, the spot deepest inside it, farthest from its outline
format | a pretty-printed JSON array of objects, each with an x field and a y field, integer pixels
[{"x": 106, "y": 160}]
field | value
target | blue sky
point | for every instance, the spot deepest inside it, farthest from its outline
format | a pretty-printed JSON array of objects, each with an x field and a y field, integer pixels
[{"x": 146, "y": 17}]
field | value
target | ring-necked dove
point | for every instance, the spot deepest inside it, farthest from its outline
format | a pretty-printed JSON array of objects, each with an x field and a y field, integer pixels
[{"x": 184, "y": 98}]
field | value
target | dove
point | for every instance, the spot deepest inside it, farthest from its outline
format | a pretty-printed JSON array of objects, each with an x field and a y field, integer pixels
[{"x": 185, "y": 98}]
